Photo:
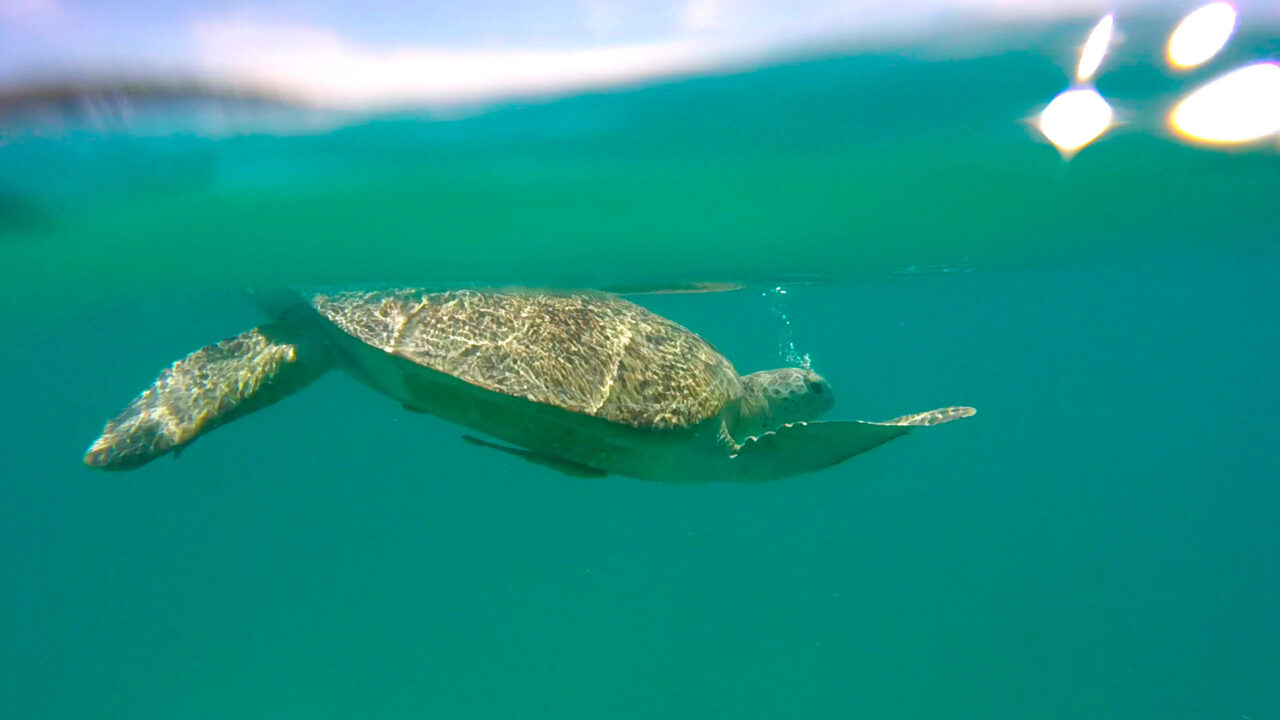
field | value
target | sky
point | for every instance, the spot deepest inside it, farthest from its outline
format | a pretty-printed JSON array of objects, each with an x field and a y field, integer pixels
[{"x": 443, "y": 51}]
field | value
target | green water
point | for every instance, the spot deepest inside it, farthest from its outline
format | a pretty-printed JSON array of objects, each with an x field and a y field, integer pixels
[{"x": 1099, "y": 541}]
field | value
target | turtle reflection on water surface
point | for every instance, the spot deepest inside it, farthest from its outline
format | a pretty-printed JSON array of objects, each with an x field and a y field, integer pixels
[{"x": 583, "y": 382}]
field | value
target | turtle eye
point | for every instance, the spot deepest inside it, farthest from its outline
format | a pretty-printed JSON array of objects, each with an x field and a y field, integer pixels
[{"x": 815, "y": 387}]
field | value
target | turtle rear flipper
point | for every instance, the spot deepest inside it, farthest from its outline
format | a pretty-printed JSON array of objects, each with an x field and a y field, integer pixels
[
  {"x": 807, "y": 447},
  {"x": 568, "y": 467},
  {"x": 210, "y": 387}
]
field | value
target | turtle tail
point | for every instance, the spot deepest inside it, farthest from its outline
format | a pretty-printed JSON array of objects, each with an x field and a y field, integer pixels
[{"x": 210, "y": 387}]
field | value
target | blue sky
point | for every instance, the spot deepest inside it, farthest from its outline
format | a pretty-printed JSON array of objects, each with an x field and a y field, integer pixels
[{"x": 443, "y": 50}]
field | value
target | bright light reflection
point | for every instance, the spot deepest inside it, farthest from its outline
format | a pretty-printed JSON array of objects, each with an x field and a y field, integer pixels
[
  {"x": 1075, "y": 118},
  {"x": 1095, "y": 48},
  {"x": 1240, "y": 106},
  {"x": 1201, "y": 34}
]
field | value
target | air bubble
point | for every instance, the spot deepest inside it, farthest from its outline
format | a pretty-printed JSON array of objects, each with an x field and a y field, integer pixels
[{"x": 786, "y": 342}]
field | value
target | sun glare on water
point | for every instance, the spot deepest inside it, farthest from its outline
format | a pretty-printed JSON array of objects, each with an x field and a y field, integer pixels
[
  {"x": 1079, "y": 115},
  {"x": 1095, "y": 48},
  {"x": 1241, "y": 106},
  {"x": 1201, "y": 34},
  {"x": 1075, "y": 118}
]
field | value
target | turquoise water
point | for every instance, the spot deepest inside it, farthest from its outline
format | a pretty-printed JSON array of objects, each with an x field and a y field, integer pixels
[{"x": 1099, "y": 541}]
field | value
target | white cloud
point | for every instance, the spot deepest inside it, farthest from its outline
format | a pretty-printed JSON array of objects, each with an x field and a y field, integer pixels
[
  {"x": 323, "y": 66},
  {"x": 330, "y": 68}
]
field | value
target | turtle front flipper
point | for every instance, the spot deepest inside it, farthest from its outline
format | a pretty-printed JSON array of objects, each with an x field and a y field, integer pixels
[
  {"x": 210, "y": 387},
  {"x": 800, "y": 448},
  {"x": 932, "y": 417}
]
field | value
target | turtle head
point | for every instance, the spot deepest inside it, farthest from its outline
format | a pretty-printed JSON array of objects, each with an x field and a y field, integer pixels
[{"x": 774, "y": 398}]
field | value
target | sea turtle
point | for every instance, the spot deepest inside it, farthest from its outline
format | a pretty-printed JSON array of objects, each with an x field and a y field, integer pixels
[{"x": 587, "y": 383}]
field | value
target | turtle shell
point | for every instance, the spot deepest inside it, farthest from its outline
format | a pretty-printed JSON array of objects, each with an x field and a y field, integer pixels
[{"x": 588, "y": 353}]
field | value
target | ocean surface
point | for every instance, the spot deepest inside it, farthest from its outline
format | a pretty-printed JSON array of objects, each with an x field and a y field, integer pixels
[{"x": 1100, "y": 541}]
